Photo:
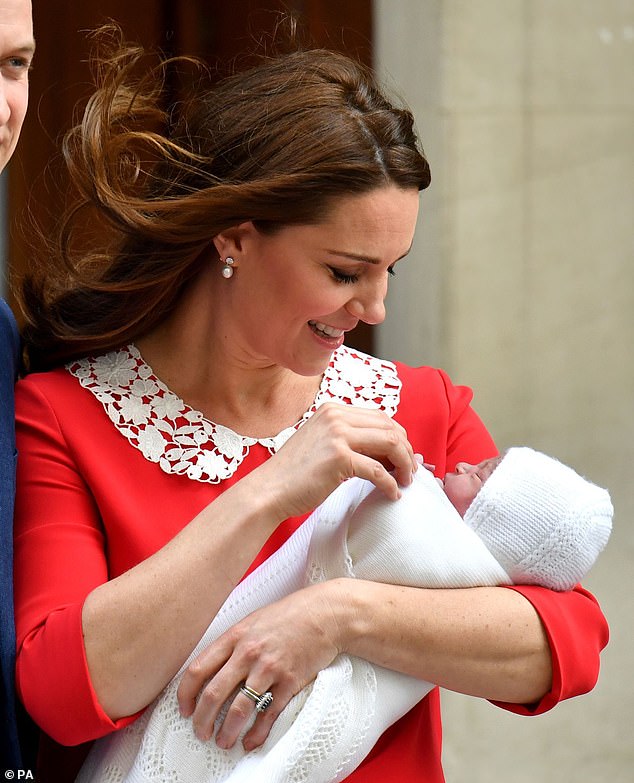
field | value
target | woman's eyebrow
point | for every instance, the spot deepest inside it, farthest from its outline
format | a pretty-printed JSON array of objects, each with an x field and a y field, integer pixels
[{"x": 362, "y": 257}]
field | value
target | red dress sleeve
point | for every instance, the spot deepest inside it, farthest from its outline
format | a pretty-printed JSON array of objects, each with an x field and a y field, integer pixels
[
  {"x": 59, "y": 559},
  {"x": 577, "y": 633}
]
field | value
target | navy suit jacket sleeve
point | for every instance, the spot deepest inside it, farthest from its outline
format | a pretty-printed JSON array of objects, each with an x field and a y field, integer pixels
[{"x": 9, "y": 346}]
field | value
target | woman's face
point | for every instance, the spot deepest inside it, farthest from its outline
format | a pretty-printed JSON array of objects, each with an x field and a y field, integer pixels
[
  {"x": 465, "y": 482},
  {"x": 296, "y": 293}
]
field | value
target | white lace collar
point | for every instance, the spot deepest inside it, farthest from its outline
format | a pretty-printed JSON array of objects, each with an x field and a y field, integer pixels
[{"x": 182, "y": 441}]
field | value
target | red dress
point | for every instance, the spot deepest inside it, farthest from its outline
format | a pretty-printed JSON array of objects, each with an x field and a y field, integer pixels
[{"x": 111, "y": 467}]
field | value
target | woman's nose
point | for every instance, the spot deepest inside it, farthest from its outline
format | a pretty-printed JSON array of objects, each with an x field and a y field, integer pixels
[{"x": 369, "y": 306}]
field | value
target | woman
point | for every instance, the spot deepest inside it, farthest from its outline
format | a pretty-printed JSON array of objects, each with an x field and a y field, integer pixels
[{"x": 207, "y": 405}]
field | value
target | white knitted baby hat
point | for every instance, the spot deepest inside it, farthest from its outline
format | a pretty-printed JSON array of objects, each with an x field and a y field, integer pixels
[{"x": 541, "y": 520}]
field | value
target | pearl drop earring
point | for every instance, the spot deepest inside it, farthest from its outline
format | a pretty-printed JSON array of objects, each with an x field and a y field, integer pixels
[{"x": 227, "y": 269}]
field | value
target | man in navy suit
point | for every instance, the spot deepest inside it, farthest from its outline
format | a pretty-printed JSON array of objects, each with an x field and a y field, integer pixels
[{"x": 16, "y": 51}]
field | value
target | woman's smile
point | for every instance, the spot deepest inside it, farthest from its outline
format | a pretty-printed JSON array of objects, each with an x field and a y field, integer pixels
[{"x": 329, "y": 334}]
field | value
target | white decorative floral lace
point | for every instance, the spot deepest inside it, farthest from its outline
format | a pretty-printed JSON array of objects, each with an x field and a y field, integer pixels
[{"x": 182, "y": 441}]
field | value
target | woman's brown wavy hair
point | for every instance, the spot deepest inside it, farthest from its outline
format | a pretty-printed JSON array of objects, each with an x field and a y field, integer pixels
[{"x": 274, "y": 144}]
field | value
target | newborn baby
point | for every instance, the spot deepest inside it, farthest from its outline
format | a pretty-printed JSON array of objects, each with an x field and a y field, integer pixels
[{"x": 522, "y": 518}]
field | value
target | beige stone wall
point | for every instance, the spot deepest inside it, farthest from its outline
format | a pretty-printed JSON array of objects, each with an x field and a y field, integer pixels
[{"x": 521, "y": 284}]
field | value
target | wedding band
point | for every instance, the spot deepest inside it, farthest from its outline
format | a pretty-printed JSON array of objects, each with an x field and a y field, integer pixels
[
  {"x": 250, "y": 692},
  {"x": 262, "y": 700}
]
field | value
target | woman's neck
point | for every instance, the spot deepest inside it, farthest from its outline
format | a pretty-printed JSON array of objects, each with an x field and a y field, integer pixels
[{"x": 194, "y": 358}]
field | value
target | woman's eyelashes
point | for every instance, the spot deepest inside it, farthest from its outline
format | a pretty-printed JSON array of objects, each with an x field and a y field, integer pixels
[
  {"x": 343, "y": 277},
  {"x": 350, "y": 277}
]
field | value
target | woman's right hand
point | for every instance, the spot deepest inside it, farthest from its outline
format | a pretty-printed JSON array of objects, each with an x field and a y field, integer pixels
[{"x": 337, "y": 443}]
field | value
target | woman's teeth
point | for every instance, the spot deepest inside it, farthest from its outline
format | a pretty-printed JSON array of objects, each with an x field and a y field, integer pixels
[{"x": 328, "y": 331}]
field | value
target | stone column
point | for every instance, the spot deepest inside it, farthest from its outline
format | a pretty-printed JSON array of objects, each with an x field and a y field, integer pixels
[{"x": 521, "y": 285}]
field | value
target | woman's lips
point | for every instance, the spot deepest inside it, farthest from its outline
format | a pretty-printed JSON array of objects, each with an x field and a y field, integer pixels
[{"x": 328, "y": 332}]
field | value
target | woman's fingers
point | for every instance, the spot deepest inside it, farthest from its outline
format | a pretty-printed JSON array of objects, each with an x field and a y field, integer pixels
[
  {"x": 337, "y": 443},
  {"x": 213, "y": 679},
  {"x": 260, "y": 730},
  {"x": 372, "y": 433},
  {"x": 244, "y": 708},
  {"x": 242, "y": 711},
  {"x": 200, "y": 671},
  {"x": 204, "y": 690},
  {"x": 371, "y": 470},
  {"x": 204, "y": 704},
  {"x": 279, "y": 648}
]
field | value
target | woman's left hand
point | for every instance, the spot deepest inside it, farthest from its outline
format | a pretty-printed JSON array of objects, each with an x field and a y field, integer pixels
[{"x": 278, "y": 648}]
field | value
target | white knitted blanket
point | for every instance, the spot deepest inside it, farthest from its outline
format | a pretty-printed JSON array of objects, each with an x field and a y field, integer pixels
[{"x": 327, "y": 729}]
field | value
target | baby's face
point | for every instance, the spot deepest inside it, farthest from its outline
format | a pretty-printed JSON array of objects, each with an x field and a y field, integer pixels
[{"x": 464, "y": 483}]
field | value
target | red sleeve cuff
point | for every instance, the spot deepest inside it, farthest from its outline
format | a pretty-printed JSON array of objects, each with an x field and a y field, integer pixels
[
  {"x": 577, "y": 632},
  {"x": 54, "y": 683}
]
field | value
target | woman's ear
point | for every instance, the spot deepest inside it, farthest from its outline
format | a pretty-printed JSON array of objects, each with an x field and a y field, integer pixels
[{"x": 230, "y": 241}]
